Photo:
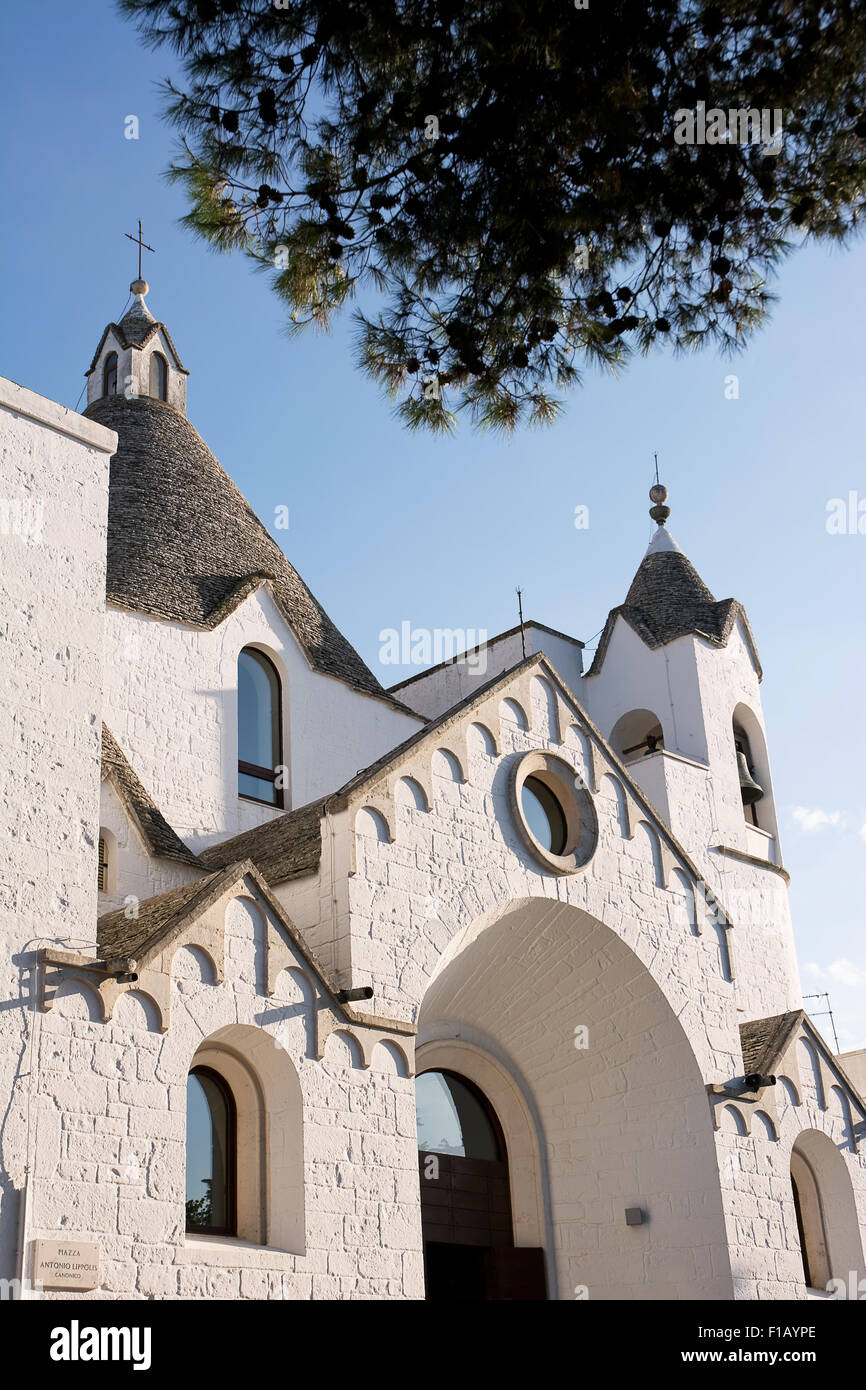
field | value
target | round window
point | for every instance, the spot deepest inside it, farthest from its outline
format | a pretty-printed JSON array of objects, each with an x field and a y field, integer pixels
[
  {"x": 544, "y": 815},
  {"x": 553, "y": 812}
]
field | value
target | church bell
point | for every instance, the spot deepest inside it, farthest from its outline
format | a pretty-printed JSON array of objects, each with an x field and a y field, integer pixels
[{"x": 749, "y": 788}]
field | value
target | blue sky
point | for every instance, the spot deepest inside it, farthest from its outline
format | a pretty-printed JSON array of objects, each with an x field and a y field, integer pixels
[{"x": 387, "y": 527}]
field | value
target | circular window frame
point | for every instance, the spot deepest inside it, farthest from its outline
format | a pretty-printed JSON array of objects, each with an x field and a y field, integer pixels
[{"x": 575, "y": 802}]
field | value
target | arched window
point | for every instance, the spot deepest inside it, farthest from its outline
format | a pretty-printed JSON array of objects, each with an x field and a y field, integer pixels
[
  {"x": 210, "y": 1154},
  {"x": 259, "y": 733},
  {"x": 826, "y": 1212},
  {"x": 109, "y": 375},
  {"x": 544, "y": 814},
  {"x": 158, "y": 376},
  {"x": 454, "y": 1118}
]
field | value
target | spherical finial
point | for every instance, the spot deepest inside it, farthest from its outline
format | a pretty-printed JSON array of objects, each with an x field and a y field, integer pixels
[
  {"x": 139, "y": 287},
  {"x": 658, "y": 495}
]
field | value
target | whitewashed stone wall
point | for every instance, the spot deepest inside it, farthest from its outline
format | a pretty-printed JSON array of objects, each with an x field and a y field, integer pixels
[
  {"x": 452, "y": 871},
  {"x": 110, "y": 1127},
  {"x": 694, "y": 688},
  {"x": 171, "y": 703},
  {"x": 53, "y": 513},
  {"x": 432, "y": 693},
  {"x": 134, "y": 871},
  {"x": 755, "y": 1170}
]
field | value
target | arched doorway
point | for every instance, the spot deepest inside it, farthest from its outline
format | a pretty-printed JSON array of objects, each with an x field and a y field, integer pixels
[
  {"x": 600, "y": 1095},
  {"x": 469, "y": 1251}
]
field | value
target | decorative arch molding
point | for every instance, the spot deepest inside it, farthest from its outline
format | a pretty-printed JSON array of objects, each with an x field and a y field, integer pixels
[
  {"x": 660, "y": 869},
  {"x": 624, "y": 809},
  {"x": 576, "y": 740},
  {"x": 270, "y": 1134},
  {"x": 397, "y": 1062},
  {"x": 839, "y": 1105},
  {"x": 452, "y": 763},
  {"x": 810, "y": 1065},
  {"x": 379, "y": 811},
  {"x": 544, "y": 708},
  {"x": 513, "y": 715},
  {"x": 411, "y": 791},
  {"x": 365, "y": 1039},
  {"x": 788, "y": 1089},
  {"x": 480, "y": 732},
  {"x": 731, "y": 1119},
  {"x": 682, "y": 886},
  {"x": 341, "y": 1040},
  {"x": 481, "y": 1060},
  {"x": 136, "y": 1010},
  {"x": 78, "y": 987},
  {"x": 765, "y": 1128}
]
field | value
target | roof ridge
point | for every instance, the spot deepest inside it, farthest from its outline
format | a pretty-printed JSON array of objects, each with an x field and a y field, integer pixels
[{"x": 161, "y": 838}]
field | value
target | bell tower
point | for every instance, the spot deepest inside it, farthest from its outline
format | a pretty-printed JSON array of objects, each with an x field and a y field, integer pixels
[
  {"x": 675, "y": 688},
  {"x": 136, "y": 357}
]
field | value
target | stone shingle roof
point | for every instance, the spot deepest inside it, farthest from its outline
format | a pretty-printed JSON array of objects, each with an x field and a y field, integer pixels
[
  {"x": 158, "y": 834},
  {"x": 119, "y": 937},
  {"x": 763, "y": 1040},
  {"x": 160, "y": 920},
  {"x": 184, "y": 544},
  {"x": 668, "y": 599},
  {"x": 281, "y": 849}
]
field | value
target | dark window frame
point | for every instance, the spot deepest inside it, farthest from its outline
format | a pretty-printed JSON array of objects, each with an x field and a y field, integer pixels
[
  {"x": 231, "y": 1227},
  {"x": 801, "y": 1232},
  {"x": 104, "y": 865},
  {"x": 110, "y": 364},
  {"x": 553, "y": 812},
  {"x": 486, "y": 1105},
  {"x": 162, "y": 376},
  {"x": 265, "y": 774}
]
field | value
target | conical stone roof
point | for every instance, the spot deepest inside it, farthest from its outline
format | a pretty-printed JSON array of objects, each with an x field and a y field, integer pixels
[
  {"x": 184, "y": 544},
  {"x": 668, "y": 599}
]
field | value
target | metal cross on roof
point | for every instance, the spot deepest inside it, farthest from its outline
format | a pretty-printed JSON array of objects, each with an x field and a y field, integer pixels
[{"x": 140, "y": 244}]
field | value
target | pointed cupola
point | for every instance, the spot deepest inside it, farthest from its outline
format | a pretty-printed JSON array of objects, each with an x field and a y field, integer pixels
[
  {"x": 184, "y": 545},
  {"x": 136, "y": 357},
  {"x": 674, "y": 688},
  {"x": 668, "y": 599}
]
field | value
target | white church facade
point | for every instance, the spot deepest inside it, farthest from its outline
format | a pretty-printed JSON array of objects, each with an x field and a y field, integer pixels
[{"x": 511, "y": 1012}]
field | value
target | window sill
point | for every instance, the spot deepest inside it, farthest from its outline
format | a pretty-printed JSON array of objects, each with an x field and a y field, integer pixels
[{"x": 232, "y": 1251}]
